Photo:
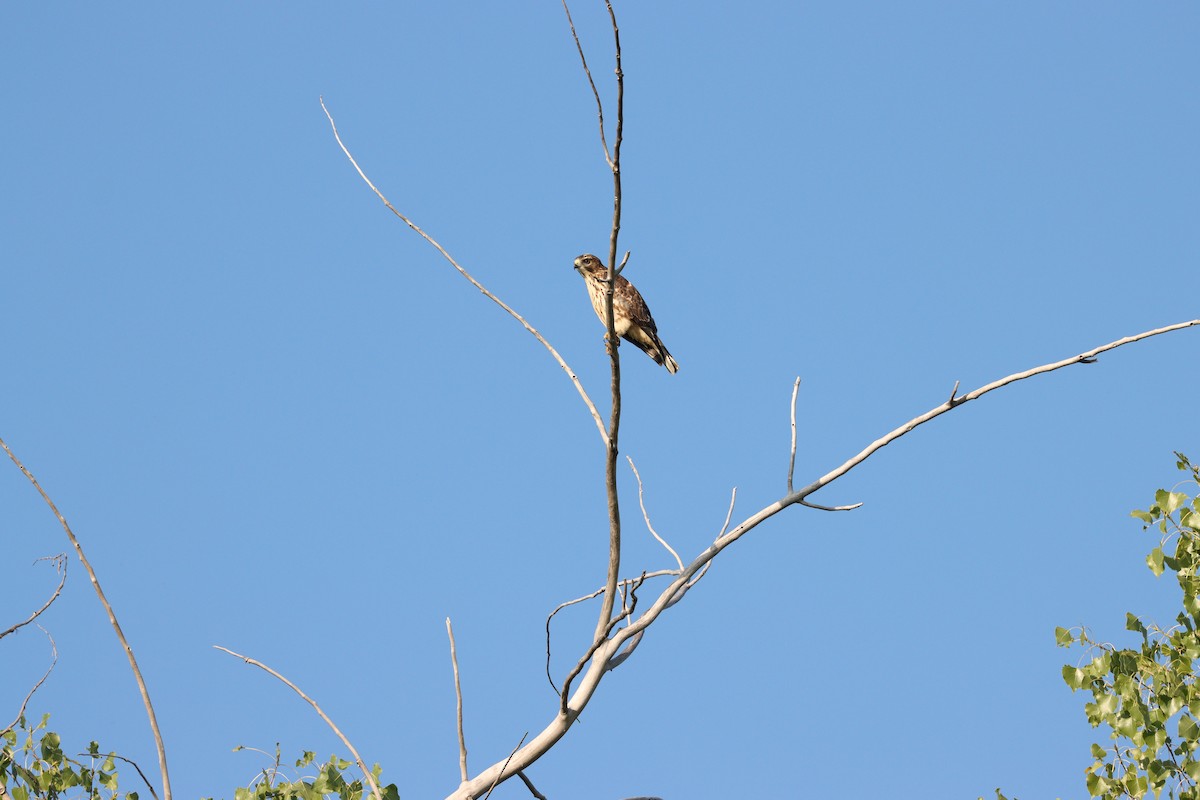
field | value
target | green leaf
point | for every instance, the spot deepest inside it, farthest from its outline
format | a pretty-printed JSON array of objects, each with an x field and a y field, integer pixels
[
  {"x": 1063, "y": 637},
  {"x": 1155, "y": 561},
  {"x": 1132, "y": 623},
  {"x": 1169, "y": 502},
  {"x": 1073, "y": 676},
  {"x": 1188, "y": 729}
]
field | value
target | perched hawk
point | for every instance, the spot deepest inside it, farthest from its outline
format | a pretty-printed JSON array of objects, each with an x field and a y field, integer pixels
[{"x": 631, "y": 315}]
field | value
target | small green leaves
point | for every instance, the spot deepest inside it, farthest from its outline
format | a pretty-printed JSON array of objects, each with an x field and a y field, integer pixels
[{"x": 1141, "y": 693}]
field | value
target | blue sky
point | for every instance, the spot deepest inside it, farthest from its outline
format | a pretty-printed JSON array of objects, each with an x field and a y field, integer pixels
[{"x": 280, "y": 423}]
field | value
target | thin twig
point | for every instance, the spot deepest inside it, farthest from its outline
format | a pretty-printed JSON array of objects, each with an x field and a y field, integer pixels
[
  {"x": 446, "y": 255},
  {"x": 657, "y": 574},
  {"x": 830, "y": 508},
  {"x": 529, "y": 785},
  {"x": 153, "y": 793},
  {"x": 624, "y": 261},
  {"x": 646, "y": 516},
  {"x": 60, "y": 564},
  {"x": 38, "y": 685},
  {"x": 953, "y": 394},
  {"x": 500, "y": 774},
  {"x": 112, "y": 620},
  {"x": 599, "y": 106},
  {"x": 462, "y": 740},
  {"x": 357, "y": 758},
  {"x": 792, "y": 459},
  {"x": 728, "y": 514}
]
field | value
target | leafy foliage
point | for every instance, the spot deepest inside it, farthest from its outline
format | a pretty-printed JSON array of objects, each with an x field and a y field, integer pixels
[
  {"x": 34, "y": 767},
  {"x": 1148, "y": 696}
]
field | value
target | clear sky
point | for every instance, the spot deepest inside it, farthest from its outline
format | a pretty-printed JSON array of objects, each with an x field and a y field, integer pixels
[{"x": 280, "y": 423}]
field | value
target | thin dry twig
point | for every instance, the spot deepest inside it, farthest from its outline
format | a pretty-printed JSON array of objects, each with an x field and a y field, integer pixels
[
  {"x": 830, "y": 508},
  {"x": 501, "y": 774},
  {"x": 38, "y": 685},
  {"x": 599, "y": 106},
  {"x": 357, "y": 758},
  {"x": 112, "y": 620},
  {"x": 462, "y": 740},
  {"x": 60, "y": 564},
  {"x": 529, "y": 785},
  {"x": 590, "y": 596},
  {"x": 446, "y": 255},
  {"x": 792, "y": 459},
  {"x": 646, "y": 516},
  {"x": 153, "y": 793}
]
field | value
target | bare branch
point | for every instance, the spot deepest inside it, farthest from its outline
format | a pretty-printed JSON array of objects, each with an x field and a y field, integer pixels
[
  {"x": 153, "y": 793},
  {"x": 462, "y": 741},
  {"x": 646, "y": 516},
  {"x": 792, "y": 459},
  {"x": 529, "y": 785},
  {"x": 729, "y": 514},
  {"x": 60, "y": 564},
  {"x": 830, "y": 508},
  {"x": 614, "y": 424},
  {"x": 599, "y": 106},
  {"x": 112, "y": 620},
  {"x": 446, "y": 255},
  {"x": 657, "y": 574},
  {"x": 602, "y": 652},
  {"x": 624, "y": 261},
  {"x": 953, "y": 394},
  {"x": 357, "y": 758},
  {"x": 38, "y": 685}
]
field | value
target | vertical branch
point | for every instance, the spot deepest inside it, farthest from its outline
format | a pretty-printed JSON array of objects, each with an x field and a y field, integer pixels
[
  {"x": 610, "y": 465},
  {"x": 462, "y": 740},
  {"x": 112, "y": 620}
]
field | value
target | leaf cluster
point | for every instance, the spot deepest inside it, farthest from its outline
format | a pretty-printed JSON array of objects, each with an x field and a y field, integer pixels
[
  {"x": 33, "y": 766},
  {"x": 1147, "y": 696},
  {"x": 328, "y": 782}
]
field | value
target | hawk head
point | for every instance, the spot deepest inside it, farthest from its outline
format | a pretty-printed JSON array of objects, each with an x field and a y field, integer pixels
[{"x": 588, "y": 264}]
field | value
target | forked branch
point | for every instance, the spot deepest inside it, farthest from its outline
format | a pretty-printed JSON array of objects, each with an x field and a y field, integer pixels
[{"x": 601, "y": 654}]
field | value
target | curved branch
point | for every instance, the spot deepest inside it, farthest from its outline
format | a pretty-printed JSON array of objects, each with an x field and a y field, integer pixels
[
  {"x": 646, "y": 516},
  {"x": 38, "y": 685},
  {"x": 112, "y": 620},
  {"x": 511, "y": 312},
  {"x": 60, "y": 564},
  {"x": 357, "y": 758}
]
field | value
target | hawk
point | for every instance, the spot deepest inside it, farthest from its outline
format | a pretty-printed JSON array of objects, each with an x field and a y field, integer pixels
[{"x": 631, "y": 315}]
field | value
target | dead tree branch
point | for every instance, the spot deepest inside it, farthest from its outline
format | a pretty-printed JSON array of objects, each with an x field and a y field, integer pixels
[
  {"x": 357, "y": 758},
  {"x": 60, "y": 564},
  {"x": 646, "y": 516},
  {"x": 462, "y": 740},
  {"x": 600, "y": 655},
  {"x": 112, "y": 620},
  {"x": 38, "y": 685},
  {"x": 446, "y": 255}
]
